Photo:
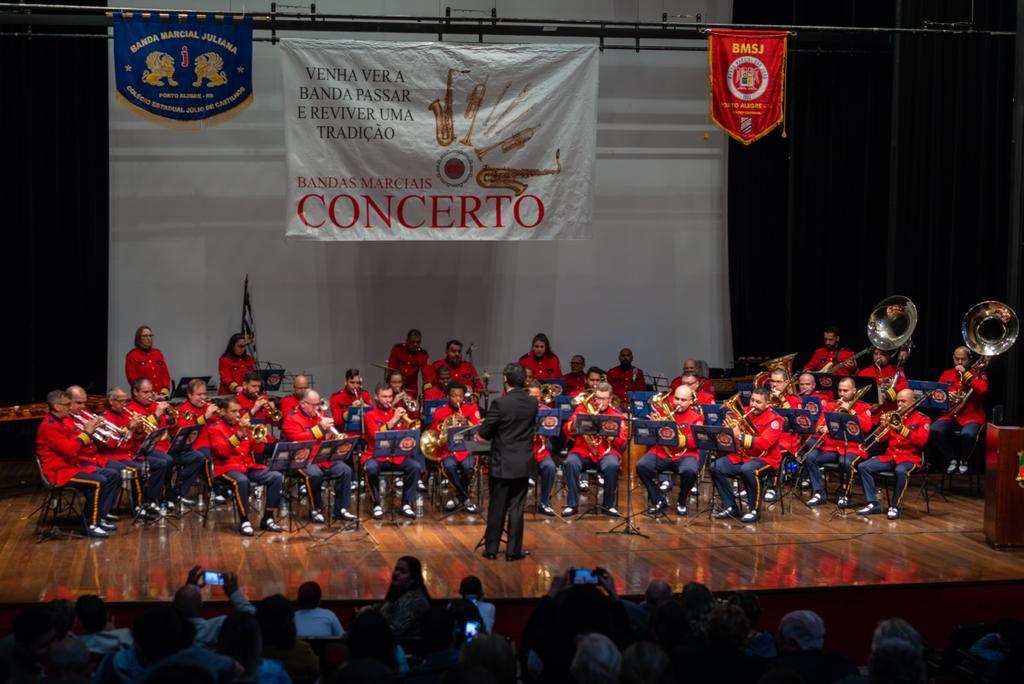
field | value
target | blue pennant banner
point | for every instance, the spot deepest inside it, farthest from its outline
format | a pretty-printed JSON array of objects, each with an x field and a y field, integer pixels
[{"x": 183, "y": 71}]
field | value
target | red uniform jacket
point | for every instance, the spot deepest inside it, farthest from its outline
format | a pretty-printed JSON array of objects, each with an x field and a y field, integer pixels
[
  {"x": 150, "y": 364},
  {"x": 342, "y": 400},
  {"x": 376, "y": 420},
  {"x": 110, "y": 450},
  {"x": 625, "y": 381},
  {"x": 889, "y": 396},
  {"x": 298, "y": 427},
  {"x": 974, "y": 411},
  {"x": 472, "y": 414},
  {"x": 63, "y": 450},
  {"x": 260, "y": 416},
  {"x": 188, "y": 415},
  {"x": 788, "y": 440},
  {"x": 232, "y": 371},
  {"x": 906, "y": 447},
  {"x": 138, "y": 437},
  {"x": 546, "y": 367},
  {"x": 433, "y": 393},
  {"x": 864, "y": 420},
  {"x": 581, "y": 447},
  {"x": 230, "y": 450},
  {"x": 409, "y": 365},
  {"x": 705, "y": 386},
  {"x": 465, "y": 373},
  {"x": 574, "y": 383},
  {"x": 764, "y": 445},
  {"x": 288, "y": 404},
  {"x": 689, "y": 449},
  {"x": 822, "y": 356}
]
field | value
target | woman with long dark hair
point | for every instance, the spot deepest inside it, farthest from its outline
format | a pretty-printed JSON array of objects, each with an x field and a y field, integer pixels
[
  {"x": 146, "y": 361},
  {"x": 407, "y": 598},
  {"x": 234, "y": 363},
  {"x": 542, "y": 362}
]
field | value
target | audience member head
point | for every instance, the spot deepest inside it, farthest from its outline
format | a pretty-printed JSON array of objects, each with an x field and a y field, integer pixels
[
  {"x": 801, "y": 630},
  {"x": 370, "y": 637},
  {"x": 175, "y": 673},
  {"x": 583, "y": 608},
  {"x": 407, "y": 576},
  {"x": 597, "y": 660},
  {"x": 895, "y": 661},
  {"x": 64, "y": 610},
  {"x": 897, "y": 628},
  {"x": 159, "y": 632},
  {"x": 493, "y": 654},
  {"x": 35, "y": 628},
  {"x": 698, "y": 602},
  {"x": 277, "y": 621},
  {"x": 748, "y": 602},
  {"x": 728, "y": 629},
  {"x": 68, "y": 661},
  {"x": 309, "y": 595},
  {"x": 188, "y": 601},
  {"x": 645, "y": 663},
  {"x": 471, "y": 586},
  {"x": 92, "y": 613},
  {"x": 438, "y": 629},
  {"x": 464, "y": 611},
  {"x": 240, "y": 638},
  {"x": 668, "y": 625},
  {"x": 658, "y": 591}
]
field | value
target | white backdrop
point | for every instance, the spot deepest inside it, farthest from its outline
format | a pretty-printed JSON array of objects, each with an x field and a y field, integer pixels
[{"x": 193, "y": 212}]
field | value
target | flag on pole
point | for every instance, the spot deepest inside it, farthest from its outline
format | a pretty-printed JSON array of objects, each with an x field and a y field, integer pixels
[{"x": 249, "y": 321}]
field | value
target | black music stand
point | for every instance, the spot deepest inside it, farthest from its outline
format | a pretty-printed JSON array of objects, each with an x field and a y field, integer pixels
[
  {"x": 658, "y": 433},
  {"x": 626, "y": 526},
  {"x": 548, "y": 426},
  {"x": 182, "y": 441},
  {"x": 798, "y": 422},
  {"x": 390, "y": 443},
  {"x": 341, "y": 450},
  {"x": 460, "y": 439},
  {"x": 289, "y": 458},
  {"x": 715, "y": 440},
  {"x": 598, "y": 426},
  {"x": 845, "y": 428},
  {"x": 146, "y": 448}
]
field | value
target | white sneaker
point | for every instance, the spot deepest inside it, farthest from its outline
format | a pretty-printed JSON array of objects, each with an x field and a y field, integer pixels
[
  {"x": 378, "y": 512},
  {"x": 963, "y": 468},
  {"x": 770, "y": 495},
  {"x": 449, "y": 505},
  {"x": 96, "y": 531},
  {"x": 532, "y": 482},
  {"x": 843, "y": 502},
  {"x": 693, "y": 490},
  {"x": 743, "y": 492},
  {"x": 951, "y": 468},
  {"x": 680, "y": 509},
  {"x": 584, "y": 485},
  {"x": 600, "y": 480},
  {"x": 665, "y": 485},
  {"x": 469, "y": 506},
  {"x": 317, "y": 517},
  {"x": 246, "y": 529},
  {"x": 399, "y": 483},
  {"x": 893, "y": 514}
]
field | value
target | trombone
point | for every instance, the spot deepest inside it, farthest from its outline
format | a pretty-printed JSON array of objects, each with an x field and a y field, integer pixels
[{"x": 892, "y": 420}]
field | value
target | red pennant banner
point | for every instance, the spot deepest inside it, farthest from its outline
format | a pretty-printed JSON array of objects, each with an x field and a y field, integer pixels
[{"x": 748, "y": 81}]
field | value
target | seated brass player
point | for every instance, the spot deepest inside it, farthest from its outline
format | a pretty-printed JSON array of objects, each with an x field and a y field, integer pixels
[
  {"x": 591, "y": 451},
  {"x": 682, "y": 460},
  {"x": 385, "y": 416},
  {"x": 458, "y": 465}
]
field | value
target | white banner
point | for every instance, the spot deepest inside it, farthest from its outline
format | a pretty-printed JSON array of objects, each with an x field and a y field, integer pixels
[{"x": 435, "y": 141}]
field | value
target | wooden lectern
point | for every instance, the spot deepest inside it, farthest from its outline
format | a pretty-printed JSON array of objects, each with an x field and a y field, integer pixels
[{"x": 1004, "y": 498}]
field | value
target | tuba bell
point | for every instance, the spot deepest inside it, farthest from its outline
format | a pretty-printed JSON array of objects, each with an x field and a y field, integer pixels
[
  {"x": 892, "y": 322},
  {"x": 778, "y": 363},
  {"x": 989, "y": 328}
]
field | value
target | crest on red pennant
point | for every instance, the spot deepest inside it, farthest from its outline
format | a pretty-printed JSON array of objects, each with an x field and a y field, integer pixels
[{"x": 748, "y": 82}]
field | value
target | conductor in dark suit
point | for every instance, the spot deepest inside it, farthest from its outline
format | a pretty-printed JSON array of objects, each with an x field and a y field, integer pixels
[{"x": 509, "y": 425}]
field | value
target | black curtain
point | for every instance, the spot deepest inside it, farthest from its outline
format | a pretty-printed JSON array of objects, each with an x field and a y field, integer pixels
[
  {"x": 876, "y": 190},
  {"x": 56, "y": 212}
]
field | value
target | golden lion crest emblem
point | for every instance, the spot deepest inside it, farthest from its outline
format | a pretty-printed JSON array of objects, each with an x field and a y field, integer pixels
[
  {"x": 209, "y": 66},
  {"x": 161, "y": 66}
]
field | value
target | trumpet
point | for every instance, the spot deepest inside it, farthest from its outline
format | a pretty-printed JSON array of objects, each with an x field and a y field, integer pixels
[
  {"x": 273, "y": 412},
  {"x": 322, "y": 413},
  {"x": 105, "y": 429},
  {"x": 409, "y": 403},
  {"x": 144, "y": 424},
  {"x": 258, "y": 433}
]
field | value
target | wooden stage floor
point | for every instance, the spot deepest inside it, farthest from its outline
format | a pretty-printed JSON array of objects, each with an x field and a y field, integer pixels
[{"x": 802, "y": 549}]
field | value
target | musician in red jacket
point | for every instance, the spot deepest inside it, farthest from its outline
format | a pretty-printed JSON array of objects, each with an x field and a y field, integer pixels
[
  {"x": 789, "y": 442},
  {"x": 840, "y": 358},
  {"x": 693, "y": 366},
  {"x": 540, "y": 360},
  {"x": 592, "y": 452},
  {"x": 439, "y": 387},
  {"x": 576, "y": 379},
  {"x": 462, "y": 371},
  {"x": 234, "y": 363},
  {"x": 458, "y": 465},
  {"x": 683, "y": 460},
  {"x": 902, "y": 456},
  {"x": 306, "y": 423},
  {"x": 410, "y": 359},
  {"x": 890, "y": 381},
  {"x": 385, "y": 416},
  {"x": 260, "y": 409},
  {"x": 846, "y": 454},
  {"x": 289, "y": 403},
  {"x": 351, "y": 395},
  {"x": 153, "y": 412},
  {"x": 196, "y": 410},
  {"x": 956, "y": 430},
  {"x": 146, "y": 361},
  {"x": 626, "y": 377},
  {"x": 693, "y": 381},
  {"x": 231, "y": 444},
  {"x": 63, "y": 451},
  {"x": 122, "y": 455},
  {"x": 758, "y": 452},
  {"x": 542, "y": 456}
]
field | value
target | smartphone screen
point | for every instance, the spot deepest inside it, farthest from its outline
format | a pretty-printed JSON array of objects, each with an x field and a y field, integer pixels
[
  {"x": 213, "y": 578},
  {"x": 472, "y": 630},
  {"x": 584, "y": 576}
]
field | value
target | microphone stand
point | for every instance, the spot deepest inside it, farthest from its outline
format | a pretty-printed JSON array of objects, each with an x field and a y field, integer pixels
[{"x": 627, "y": 526}]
